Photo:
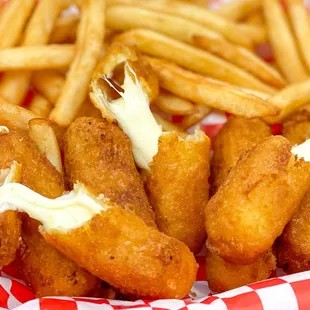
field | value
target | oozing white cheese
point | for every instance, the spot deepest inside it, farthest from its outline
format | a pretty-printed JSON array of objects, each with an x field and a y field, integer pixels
[
  {"x": 67, "y": 212},
  {"x": 302, "y": 150},
  {"x": 133, "y": 114},
  {"x": 4, "y": 129}
]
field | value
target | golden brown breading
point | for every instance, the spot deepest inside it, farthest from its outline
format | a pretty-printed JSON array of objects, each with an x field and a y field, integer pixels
[
  {"x": 256, "y": 201},
  {"x": 178, "y": 186},
  {"x": 296, "y": 128},
  {"x": 293, "y": 250},
  {"x": 223, "y": 276},
  {"x": 128, "y": 254},
  {"x": 98, "y": 154},
  {"x": 10, "y": 231},
  {"x": 47, "y": 271},
  {"x": 237, "y": 136},
  {"x": 43, "y": 268}
]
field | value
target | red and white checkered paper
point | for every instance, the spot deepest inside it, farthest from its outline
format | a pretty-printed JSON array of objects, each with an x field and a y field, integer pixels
[{"x": 284, "y": 292}]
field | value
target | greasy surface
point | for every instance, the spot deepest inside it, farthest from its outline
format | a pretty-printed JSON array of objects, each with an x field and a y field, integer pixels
[
  {"x": 256, "y": 201},
  {"x": 129, "y": 255},
  {"x": 98, "y": 154},
  {"x": 296, "y": 128},
  {"x": 293, "y": 250},
  {"x": 10, "y": 229},
  {"x": 49, "y": 272},
  {"x": 223, "y": 276},
  {"x": 237, "y": 136},
  {"x": 43, "y": 268},
  {"x": 178, "y": 187}
]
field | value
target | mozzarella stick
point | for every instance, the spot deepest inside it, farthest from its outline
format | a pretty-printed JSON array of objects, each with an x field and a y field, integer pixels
[
  {"x": 98, "y": 154},
  {"x": 223, "y": 276},
  {"x": 259, "y": 197},
  {"x": 13, "y": 18},
  {"x": 301, "y": 25},
  {"x": 10, "y": 222},
  {"x": 191, "y": 58},
  {"x": 236, "y": 137},
  {"x": 37, "y": 32},
  {"x": 140, "y": 261},
  {"x": 202, "y": 90},
  {"x": 230, "y": 30},
  {"x": 283, "y": 43}
]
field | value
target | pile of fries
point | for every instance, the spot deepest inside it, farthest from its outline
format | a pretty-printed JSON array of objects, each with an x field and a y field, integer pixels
[{"x": 81, "y": 60}]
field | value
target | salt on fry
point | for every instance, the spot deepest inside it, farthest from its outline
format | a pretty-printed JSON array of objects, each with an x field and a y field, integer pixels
[
  {"x": 201, "y": 111},
  {"x": 202, "y": 90},
  {"x": 282, "y": 42},
  {"x": 165, "y": 124},
  {"x": 300, "y": 21},
  {"x": 230, "y": 30},
  {"x": 42, "y": 133},
  {"x": 40, "y": 106},
  {"x": 37, "y": 32},
  {"x": 49, "y": 84},
  {"x": 13, "y": 18},
  {"x": 35, "y": 58},
  {"x": 65, "y": 29},
  {"x": 14, "y": 117},
  {"x": 89, "y": 42},
  {"x": 189, "y": 57},
  {"x": 238, "y": 9},
  {"x": 289, "y": 100},
  {"x": 173, "y": 104}
]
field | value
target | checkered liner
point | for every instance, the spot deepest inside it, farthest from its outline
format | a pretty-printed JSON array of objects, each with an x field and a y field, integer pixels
[{"x": 289, "y": 292}]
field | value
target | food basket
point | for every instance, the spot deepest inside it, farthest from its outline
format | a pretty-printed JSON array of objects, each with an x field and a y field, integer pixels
[{"x": 278, "y": 293}]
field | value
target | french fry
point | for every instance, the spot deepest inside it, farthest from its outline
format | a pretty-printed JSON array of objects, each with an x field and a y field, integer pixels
[
  {"x": 301, "y": 25},
  {"x": 255, "y": 18},
  {"x": 37, "y": 32},
  {"x": 165, "y": 124},
  {"x": 35, "y": 58},
  {"x": 257, "y": 34},
  {"x": 173, "y": 104},
  {"x": 42, "y": 133},
  {"x": 40, "y": 106},
  {"x": 88, "y": 110},
  {"x": 282, "y": 42},
  {"x": 289, "y": 100},
  {"x": 49, "y": 84},
  {"x": 238, "y": 9},
  {"x": 243, "y": 58},
  {"x": 121, "y": 17},
  {"x": 230, "y": 30},
  {"x": 189, "y": 57},
  {"x": 89, "y": 42},
  {"x": 12, "y": 21},
  {"x": 202, "y": 90},
  {"x": 65, "y": 29},
  {"x": 14, "y": 117},
  {"x": 201, "y": 111}
]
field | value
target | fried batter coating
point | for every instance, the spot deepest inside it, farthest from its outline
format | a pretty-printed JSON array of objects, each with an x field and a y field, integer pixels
[
  {"x": 256, "y": 201},
  {"x": 128, "y": 254},
  {"x": 178, "y": 186},
  {"x": 47, "y": 271},
  {"x": 237, "y": 136},
  {"x": 43, "y": 268},
  {"x": 296, "y": 128},
  {"x": 99, "y": 154},
  {"x": 10, "y": 231},
  {"x": 293, "y": 251},
  {"x": 223, "y": 276}
]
